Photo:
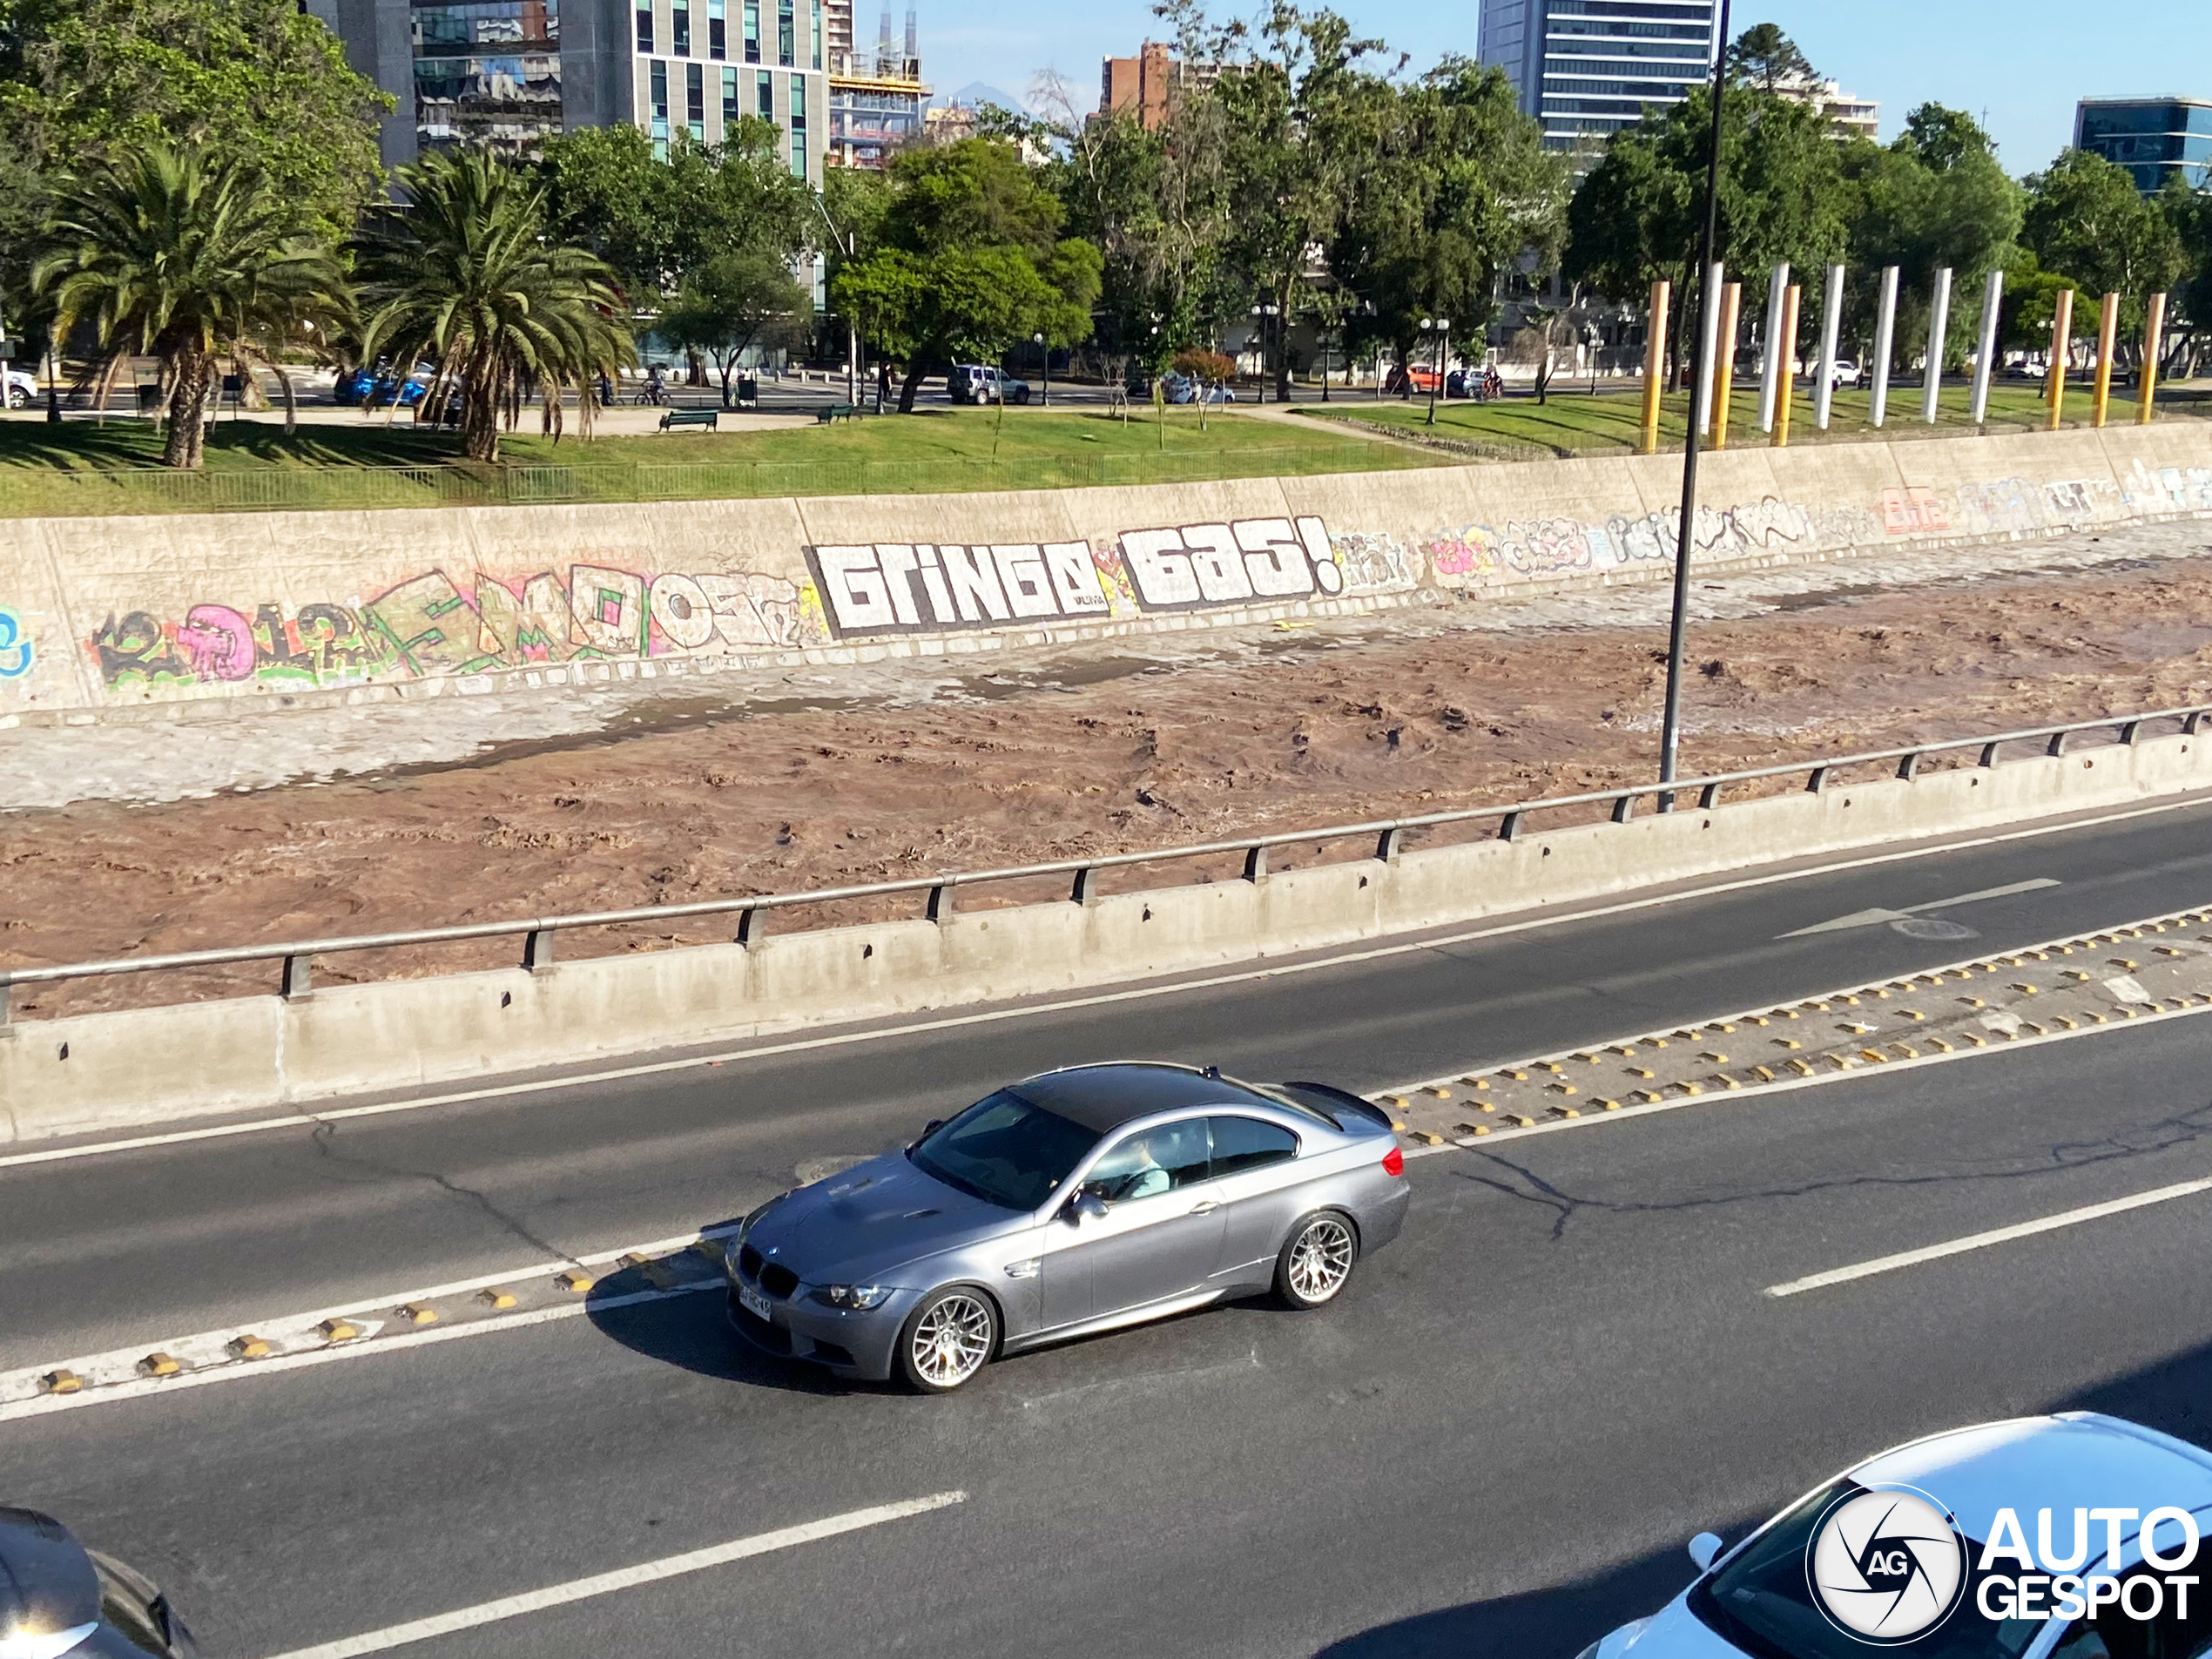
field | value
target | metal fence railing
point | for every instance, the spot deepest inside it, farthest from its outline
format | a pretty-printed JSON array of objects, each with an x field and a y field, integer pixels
[
  {"x": 82, "y": 491},
  {"x": 1084, "y": 875}
]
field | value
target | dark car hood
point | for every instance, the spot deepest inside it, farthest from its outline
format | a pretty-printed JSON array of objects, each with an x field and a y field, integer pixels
[{"x": 858, "y": 1227}]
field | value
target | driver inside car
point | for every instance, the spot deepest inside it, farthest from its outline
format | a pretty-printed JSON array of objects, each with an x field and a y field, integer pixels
[{"x": 1129, "y": 1171}]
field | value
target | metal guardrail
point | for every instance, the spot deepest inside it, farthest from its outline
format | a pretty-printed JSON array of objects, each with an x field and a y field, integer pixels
[{"x": 538, "y": 932}]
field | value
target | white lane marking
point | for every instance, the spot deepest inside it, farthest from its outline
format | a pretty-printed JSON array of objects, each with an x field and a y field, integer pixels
[
  {"x": 307, "y": 1119},
  {"x": 1868, "y": 918},
  {"x": 1984, "y": 1240},
  {"x": 240, "y": 1370},
  {"x": 625, "y": 1578}
]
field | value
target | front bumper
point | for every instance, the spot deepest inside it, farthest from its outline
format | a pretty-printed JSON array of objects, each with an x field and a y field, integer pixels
[{"x": 852, "y": 1344}]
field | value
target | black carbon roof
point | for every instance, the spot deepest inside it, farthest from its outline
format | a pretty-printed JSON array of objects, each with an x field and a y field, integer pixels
[
  {"x": 46, "y": 1579},
  {"x": 1104, "y": 1097}
]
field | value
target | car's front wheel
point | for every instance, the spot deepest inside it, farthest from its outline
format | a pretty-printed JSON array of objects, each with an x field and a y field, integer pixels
[
  {"x": 948, "y": 1339},
  {"x": 1316, "y": 1260},
  {"x": 18, "y": 398}
]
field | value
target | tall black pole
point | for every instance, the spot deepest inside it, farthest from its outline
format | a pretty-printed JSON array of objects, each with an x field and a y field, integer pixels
[{"x": 1686, "y": 530}]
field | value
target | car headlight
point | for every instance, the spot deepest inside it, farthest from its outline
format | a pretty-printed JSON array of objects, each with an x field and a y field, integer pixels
[{"x": 854, "y": 1299}]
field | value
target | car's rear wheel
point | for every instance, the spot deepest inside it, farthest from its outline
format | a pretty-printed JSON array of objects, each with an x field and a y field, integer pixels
[
  {"x": 1316, "y": 1260},
  {"x": 18, "y": 398},
  {"x": 948, "y": 1339}
]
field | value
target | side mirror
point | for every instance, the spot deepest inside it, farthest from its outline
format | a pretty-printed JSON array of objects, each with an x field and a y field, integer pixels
[
  {"x": 1086, "y": 1205},
  {"x": 1703, "y": 1549},
  {"x": 931, "y": 1128}
]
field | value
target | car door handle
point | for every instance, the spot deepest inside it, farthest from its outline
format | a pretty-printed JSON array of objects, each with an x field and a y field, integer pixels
[{"x": 1205, "y": 1206}]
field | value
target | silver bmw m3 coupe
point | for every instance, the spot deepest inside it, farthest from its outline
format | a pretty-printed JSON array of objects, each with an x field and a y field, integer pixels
[{"x": 1072, "y": 1203}]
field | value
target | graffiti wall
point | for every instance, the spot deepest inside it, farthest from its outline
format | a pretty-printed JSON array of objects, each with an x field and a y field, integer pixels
[{"x": 90, "y": 617}]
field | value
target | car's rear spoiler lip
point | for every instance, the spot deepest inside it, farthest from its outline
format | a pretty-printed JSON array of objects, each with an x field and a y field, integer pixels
[{"x": 1366, "y": 1109}]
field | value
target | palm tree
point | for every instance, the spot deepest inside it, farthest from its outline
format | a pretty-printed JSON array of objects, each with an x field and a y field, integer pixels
[
  {"x": 461, "y": 272},
  {"x": 187, "y": 256}
]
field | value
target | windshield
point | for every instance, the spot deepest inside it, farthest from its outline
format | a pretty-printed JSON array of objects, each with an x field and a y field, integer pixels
[
  {"x": 1762, "y": 1603},
  {"x": 1004, "y": 1151}
]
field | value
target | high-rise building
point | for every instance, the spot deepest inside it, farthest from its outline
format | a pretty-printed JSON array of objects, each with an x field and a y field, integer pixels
[
  {"x": 876, "y": 103},
  {"x": 1587, "y": 68},
  {"x": 512, "y": 73},
  {"x": 1849, "y": 116},
  {"x": 2150, "y": 137},
  {"x": 1146, "y": 86}
]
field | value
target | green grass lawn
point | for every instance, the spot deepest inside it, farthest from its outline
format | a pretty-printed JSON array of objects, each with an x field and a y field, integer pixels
[
  {"x": 1574, "y": 423},
  {"x": 81, "y": 467}
]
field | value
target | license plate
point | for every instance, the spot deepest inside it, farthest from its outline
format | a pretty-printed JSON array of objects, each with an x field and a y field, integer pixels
[{"x": 752, "y": 1302}]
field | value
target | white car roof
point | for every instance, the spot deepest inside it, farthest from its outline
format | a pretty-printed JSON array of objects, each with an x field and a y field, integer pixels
[{"x": 2076, "y": 1459}]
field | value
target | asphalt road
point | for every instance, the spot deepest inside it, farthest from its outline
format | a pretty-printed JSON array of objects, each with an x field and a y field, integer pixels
[{"x": 1497, "y": 1442}]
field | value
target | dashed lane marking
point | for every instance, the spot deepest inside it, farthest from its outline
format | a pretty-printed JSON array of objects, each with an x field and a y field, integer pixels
[
  {"x": 308, "y": 1119},
  {"x": 625, "y": 1578},
  {"x": 1984, "y": 1240}
]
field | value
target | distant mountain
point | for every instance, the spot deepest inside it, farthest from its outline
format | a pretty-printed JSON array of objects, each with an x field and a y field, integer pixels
[{"x": 975, "y": 94}]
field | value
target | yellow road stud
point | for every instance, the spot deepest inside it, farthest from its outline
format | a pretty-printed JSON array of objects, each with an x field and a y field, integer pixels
[
  {"x": 1763, "y": 1073},
  {"x": 1939, "y": 1045},
  {"x": 1472, "y": 1129},
  {"x": 2078, "y": 976},
  {"x": 2167, "y": 950},
  {"x": 576, "y": 1281},
  {"x": 160, "y": 1365},
  {"x": 1724, "y": 1025},
  {"x": 1910, "y": 1014},
  {"x": 1549, "y": 1065},
  {"x": 1973, "y": 1039},
  {"x": 1649, "y": 1096},
  {"x": 496, "y": 1299},
  {"x": 1520, "y": 1122},
  {"x": 1856, "y": 1028},
  {"x": 1787, "y": 1042},
  {"x": 1690, "y": 1089},
  {"x": 2039, "y": 1030},
  {"x": 418, "y": 1313},
  {"x": 2024, "y": 988},
  {"x": 1586, "y": 1058},
  {"x": 1396, "y": 1103},
  {"x": 1606, "y": 1105},
  {"x": 1973, "y": 1002},
  {"x": 1713, "y": 1059},
  {"x": 1562, "y": 1088},
  {"x": 1622, "y": 1049},
  {"x": 1398, "y": 1126},
  {"x": 2125, "y": 964},
  {"x": 1514, "y": 1074},
  {"x": 1641, "y": 1071},
  {"x": 247, "y": 1347},
  {"x": 1874, "y": 1055},
  {"x": 60, "y": 1382},
  {"x": 1427, "y": 1137},
  {"x": 1727, "y": 1082},
  {"x": 1802, "y": 1068},
  {"x": 1906, "y": 1049},
  {"x": 1842, "y": 1062},
  {"x": 1758, "y": 1019},
  {"x": 1436, "y": 1091},
  {"x": 1565, "y": 1111},
  {"x": 338, "y": 1330}
]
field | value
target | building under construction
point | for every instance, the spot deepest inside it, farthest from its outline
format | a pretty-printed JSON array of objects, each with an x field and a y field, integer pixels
[{"x": 876, "y": 102}]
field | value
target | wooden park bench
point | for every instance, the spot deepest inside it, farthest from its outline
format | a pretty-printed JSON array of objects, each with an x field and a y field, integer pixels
[
  {"x": 690, "y": 417},
  {"x": 836, "y": 411}
]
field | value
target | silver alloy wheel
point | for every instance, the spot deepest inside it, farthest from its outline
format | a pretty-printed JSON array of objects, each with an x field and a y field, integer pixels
[
  {"x": 953, "y": 1340},
  {"x": 1321, "y": 1260}
]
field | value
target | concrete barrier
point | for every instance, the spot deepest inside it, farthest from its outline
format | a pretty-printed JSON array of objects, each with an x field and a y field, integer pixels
[
  {"x": 64, "y": 1075},
  {"x": 106, "y": 619}
]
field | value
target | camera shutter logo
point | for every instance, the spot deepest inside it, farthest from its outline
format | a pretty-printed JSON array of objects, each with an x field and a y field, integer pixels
[{"x": 1887, "y": 1565}]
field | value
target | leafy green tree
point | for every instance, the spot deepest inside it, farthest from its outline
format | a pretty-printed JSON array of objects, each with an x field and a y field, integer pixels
[
  {"x": 2189, "y": 309},
  {"x": 1639, "y": 216},
  {"x": 1935, "y": 197},
  {"x": 2087, "y": 221},
  {"x": 1457, "y": 186},
  {"x": 656, "y": 219},
  {"x": 732, "y": 302},
  {"x": 1767, "y": 59},
  {"x": 461, "y": 272},
  {"x": 2031, "y": 303},
  {"x": 1154, "y": 202},
  {"x": 188, "y": 256},
  {"x": 254, "y": 81},
  {"x": 971, "y": 259},
  {"x": 1294, "y": 100}
]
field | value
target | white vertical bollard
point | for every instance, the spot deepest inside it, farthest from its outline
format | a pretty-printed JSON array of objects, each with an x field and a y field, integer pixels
[
  {"x": 1884, "y": 340},
  {"x": 1831, "y": 317},
  {"x": 1938, "y": 336}
]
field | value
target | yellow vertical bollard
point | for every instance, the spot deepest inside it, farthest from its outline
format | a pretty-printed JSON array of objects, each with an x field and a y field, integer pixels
[
  {"x": 1655, "y": 365},
  {"x": 2061, "y": 343},
  {"x": 1724, "y": 368},
  {"x": 1785, "y": 374},
  {"x": 2107, "y": 338},
  {"x": 2154, "y": 327}
]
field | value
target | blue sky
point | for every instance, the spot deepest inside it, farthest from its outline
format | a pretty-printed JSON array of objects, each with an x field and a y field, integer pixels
[{"x": 2023, "y": 61}]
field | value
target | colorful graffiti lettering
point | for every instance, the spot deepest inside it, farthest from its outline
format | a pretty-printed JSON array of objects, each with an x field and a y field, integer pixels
[
  {"x": 1913, "y": 511},
  {"x": 2006, "y": 505},
  {"x": 1372, "y": 563},
  {"x": 429, "y": 625},
  {"x": 16, "y": 652},
  {"x": 1192, "y": 565}
]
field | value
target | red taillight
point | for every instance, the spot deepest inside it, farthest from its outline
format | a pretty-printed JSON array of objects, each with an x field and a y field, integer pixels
[{"x": 1393, "y": 1163}]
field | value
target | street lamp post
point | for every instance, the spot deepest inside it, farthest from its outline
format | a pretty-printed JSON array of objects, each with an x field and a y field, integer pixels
[
  {"x": 1441, "y": 329},
  {"x": 1264, "y": 310},
  {"x": 1686, "y": 525},
  {"x": 849, "y": 245},
  {"x": 1045, "y": 356}
]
